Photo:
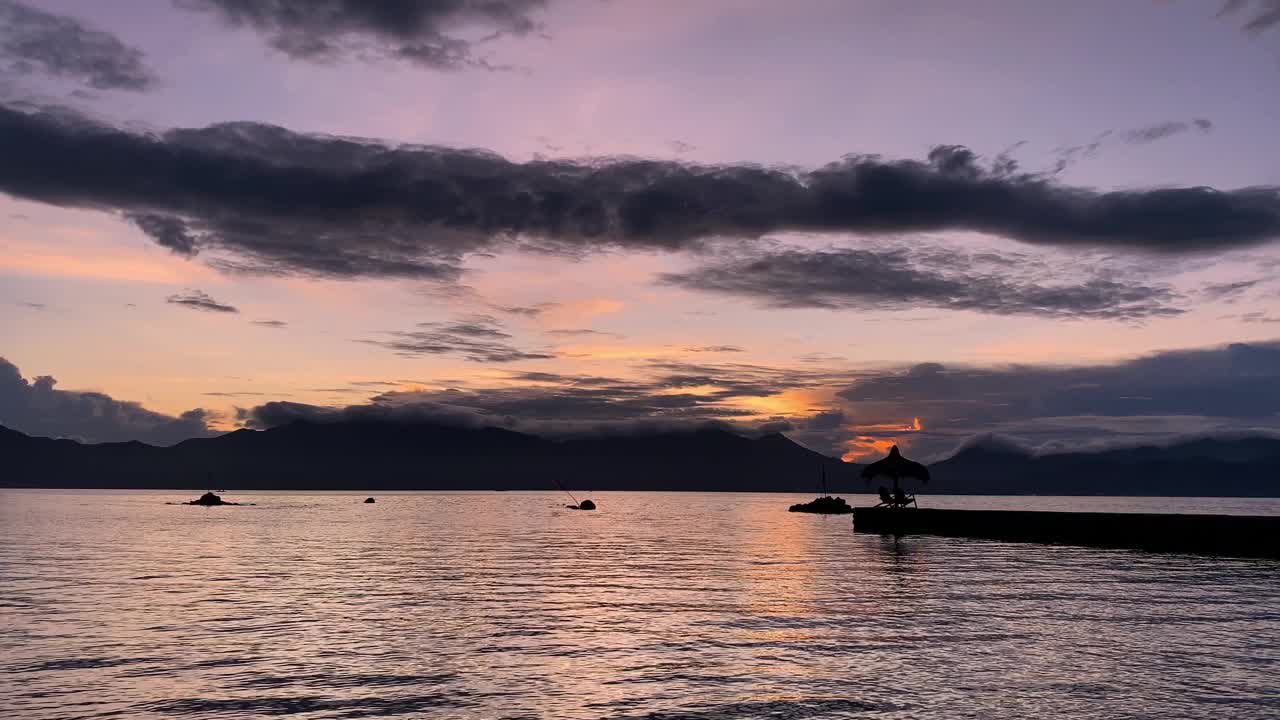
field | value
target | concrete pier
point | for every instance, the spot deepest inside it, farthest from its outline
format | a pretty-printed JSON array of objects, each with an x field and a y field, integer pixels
[{"x": 1227, "y": 535}]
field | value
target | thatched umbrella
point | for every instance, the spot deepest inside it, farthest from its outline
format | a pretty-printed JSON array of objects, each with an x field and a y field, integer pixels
[{"x": 895, "y": 467}]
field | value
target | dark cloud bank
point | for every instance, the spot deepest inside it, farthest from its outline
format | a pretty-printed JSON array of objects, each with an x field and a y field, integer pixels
[
  {"x": 1157, "y": 398},
  {"x": 875, "y": 279},
  {"x": 274, "y": 201},
  {"x": 438, "y": 34},
  {"x": 1229, "y": 389},
  {"x": 551, "y": 403},
  {"x": 33, "y": 41},
  {"x": 39, "y": 408}
]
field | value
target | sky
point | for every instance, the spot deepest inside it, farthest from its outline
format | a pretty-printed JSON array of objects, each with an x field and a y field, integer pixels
[{"x": 856, "y": 223}]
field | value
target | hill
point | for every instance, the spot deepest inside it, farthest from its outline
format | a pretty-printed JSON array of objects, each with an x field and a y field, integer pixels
[
  {"x": 1239, "y": 467},
  {"x": 394, "y": 456}
]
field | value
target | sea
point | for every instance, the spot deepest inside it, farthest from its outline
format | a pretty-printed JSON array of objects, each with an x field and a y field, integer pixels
[{"x": 115, "y": 604}]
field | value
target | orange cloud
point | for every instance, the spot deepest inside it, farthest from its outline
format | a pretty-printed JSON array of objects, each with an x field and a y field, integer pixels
[
  {"x": 581, "y": 310},
  {"x": 913, "y": 426},
  {"x": 104, "y": 267},
  {"x": 868, "y": 446},
  {"x": 785, "y": 404},
  {"x": 864, "y": 447}
]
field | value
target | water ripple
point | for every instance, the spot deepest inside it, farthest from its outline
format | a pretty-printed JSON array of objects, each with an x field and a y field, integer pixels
[{"x": 655, "y": 607}]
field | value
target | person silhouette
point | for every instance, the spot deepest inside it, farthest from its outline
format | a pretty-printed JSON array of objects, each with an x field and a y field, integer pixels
[
  {"x": 886, "y": 499},
  {"x": 901, "y": 498}
]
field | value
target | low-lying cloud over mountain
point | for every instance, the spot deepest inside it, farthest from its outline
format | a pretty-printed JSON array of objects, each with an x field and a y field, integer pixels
[
  {"x": 668, "y": 395},
  {"x": 930, "y": 407},
  {"x": 1229, "y": 389},
  {"x": 37, "y": 407},
  {"x": 269, "y": 200}
]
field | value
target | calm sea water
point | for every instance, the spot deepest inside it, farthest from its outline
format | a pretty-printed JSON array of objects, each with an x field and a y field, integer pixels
[{"x": 658, "y": 605}]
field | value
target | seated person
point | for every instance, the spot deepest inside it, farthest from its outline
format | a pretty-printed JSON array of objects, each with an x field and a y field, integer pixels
[
  {"x": 901, "y": 499},
  {"x": 886, "y": 499}
]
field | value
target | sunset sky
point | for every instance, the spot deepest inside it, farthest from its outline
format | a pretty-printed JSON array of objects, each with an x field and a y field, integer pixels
[{"x": 855, "y": 222}]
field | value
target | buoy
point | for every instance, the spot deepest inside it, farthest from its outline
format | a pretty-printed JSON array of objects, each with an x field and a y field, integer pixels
[
  {"x": 586, "y": 505},
  {"x": 369, "y": 500}
]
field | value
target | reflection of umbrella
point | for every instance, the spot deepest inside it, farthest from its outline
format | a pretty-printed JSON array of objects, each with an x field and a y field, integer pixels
[{"x": 896, "y": 467}]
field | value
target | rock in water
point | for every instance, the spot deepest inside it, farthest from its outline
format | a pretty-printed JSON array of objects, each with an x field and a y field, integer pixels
[
  {"x": 586, "y": 505},
  {"x": 825, "y": 505},
  {"x": 368, "y": 501},
  {"x": 209, "y": 499}
]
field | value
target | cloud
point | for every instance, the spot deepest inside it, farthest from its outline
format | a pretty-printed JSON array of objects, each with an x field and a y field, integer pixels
[
  {"x": 33, "y": 305},
  {"x": 1256, "y": 316},
  {"x": 529, "y": 311},
  {"x": 903, "y": 278},
  {"x": 715, "y": 349},
  {"x": 1228, "y": 291},
  {"x": 279, "y": 412},
  {"x": 828, "y": 420},
  {"x": 478, "y": 338},
  {"x": 199, "y": 300},
  {"x": 429, "y": 33},
  {"x": 1072, "y": 154},
  {"x": 582, "y": 332},
  {"x": 1069, "y": 155},
  {"x": 1223, "y": 389},
  {"x": 1160, "y": 131},
  {"x": 38, "y": 408},
  {"x": 665, "y": 396},
  {"x": 167, "y": 232},
  {"x": 265, "y": 199},
  {"x": 572, "y": 412},
  {"x": 1261, "y": 15},
  {"x": 269, "y": 323},
  {"x": 34, "y": 41}
]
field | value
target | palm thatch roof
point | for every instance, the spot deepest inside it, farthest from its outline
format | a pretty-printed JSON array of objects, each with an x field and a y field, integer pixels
[{"x": 895, "y": 467}]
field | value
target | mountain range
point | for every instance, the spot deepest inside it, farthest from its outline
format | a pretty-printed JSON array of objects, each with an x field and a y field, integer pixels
[
  {"x": 418, "y": 456},
  {"x": 394, "y": 456},
  {"x": 1207, "y": 467}
]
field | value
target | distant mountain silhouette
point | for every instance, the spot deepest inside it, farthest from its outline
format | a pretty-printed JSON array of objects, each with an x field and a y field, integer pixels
[
  {"x": 391, "y": 456},
  {"x": 1242, "y": 467},
  {"x": 396, "y": 456}
]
